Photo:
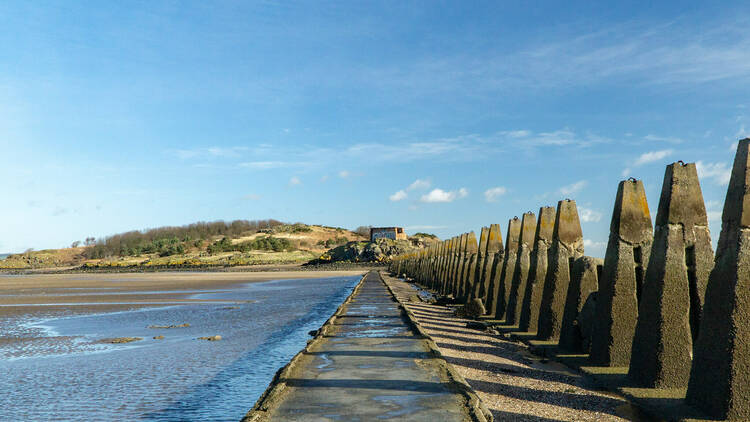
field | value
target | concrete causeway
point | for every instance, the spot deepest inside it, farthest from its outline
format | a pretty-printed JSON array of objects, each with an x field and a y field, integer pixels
[{"x": 368, "y": 362}]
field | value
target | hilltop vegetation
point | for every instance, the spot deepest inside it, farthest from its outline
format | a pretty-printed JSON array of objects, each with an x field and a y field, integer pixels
[
  {"x": 220, "y": 243},
  {"x": 202, "y": 244}
]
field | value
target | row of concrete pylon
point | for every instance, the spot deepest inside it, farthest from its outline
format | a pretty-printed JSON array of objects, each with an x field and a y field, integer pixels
[{"x": 659, "y": 303}]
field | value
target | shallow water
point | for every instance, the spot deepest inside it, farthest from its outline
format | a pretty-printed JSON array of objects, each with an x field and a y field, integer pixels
[{"x": 62, "y": 373}]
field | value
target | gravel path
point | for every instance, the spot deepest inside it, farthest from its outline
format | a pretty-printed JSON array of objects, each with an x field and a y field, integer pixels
[{"x": 514, "y": 384}]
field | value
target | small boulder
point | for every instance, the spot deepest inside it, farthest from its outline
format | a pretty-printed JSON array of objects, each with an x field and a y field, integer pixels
[
  {"x": 210, "y": 338},
  {"x": 474, "y": 309}
]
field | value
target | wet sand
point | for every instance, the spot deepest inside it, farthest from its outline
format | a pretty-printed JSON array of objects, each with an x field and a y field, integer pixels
[
  {"x": 60, "y": 361},
  {"x": 79, "y": 294}
]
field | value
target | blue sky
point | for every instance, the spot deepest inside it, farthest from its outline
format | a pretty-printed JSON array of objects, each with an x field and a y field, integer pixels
[{"x": 437, "y": 116}]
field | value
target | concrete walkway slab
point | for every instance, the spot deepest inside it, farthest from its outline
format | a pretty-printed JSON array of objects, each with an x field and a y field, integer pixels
[{"x": 368, "y": 362}]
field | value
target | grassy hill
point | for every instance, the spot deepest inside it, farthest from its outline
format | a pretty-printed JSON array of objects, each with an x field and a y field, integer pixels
[{"x": 197, "y": 245}]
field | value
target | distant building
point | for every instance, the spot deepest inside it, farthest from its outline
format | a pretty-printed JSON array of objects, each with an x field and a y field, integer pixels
[{"x": 395, "y": 233}]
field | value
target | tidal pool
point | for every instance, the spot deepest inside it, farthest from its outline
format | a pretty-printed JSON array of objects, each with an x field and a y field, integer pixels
[{"x": 62, "y": 372}]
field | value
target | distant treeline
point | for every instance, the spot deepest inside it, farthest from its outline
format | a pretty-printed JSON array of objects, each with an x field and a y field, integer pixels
[{"x": 172, "y": 240}]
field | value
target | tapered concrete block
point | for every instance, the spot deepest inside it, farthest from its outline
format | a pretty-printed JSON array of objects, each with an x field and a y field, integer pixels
[
  {"x": 469, "y": 267},
  {"x": 502, "y": 283},
  {"x": 681, "y": 259},
  {"x": 584, "y": 281},
  {"x": 532, "y": 298},
  {"x": 567, "y": 244},
  {"x": 493, "y": 265},
  {"x": 460, "y": 263},
  {"x": 479, "y": 271},
  {"x": 625, "y": 263},
  {"x": 720, "y": 377},
  {"x": 521, "y": 270}
]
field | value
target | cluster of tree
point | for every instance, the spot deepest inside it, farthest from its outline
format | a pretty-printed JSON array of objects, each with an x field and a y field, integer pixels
[
  {"x": 267, "y": 243},
  {"x": 169, "y": 240},
  {"x": 329, "y": 243},
  {"x": 363, "y": 231},
  {"x": 420, "y": 234}
]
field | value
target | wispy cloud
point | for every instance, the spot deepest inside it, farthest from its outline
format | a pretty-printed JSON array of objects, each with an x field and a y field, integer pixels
[
  {"x": 652, "y": 156},
  {"x": 251, "y": 197},
  {"x": 295, "y": 181},
  {"x": 425, "y": 227},
  {"x": 398, "y": 196},
  {"x": 266, "y": 165},
  {"x": 419, "y": 184},
  {"x": 344, "y": 174},
  {"x": 668, "y": 139},
  {"x": 493, "y": 194},
  {"x": 573, "y": 188},
  {"x": 720, "y": 172},
  {"x": 439, "y": 195},
  {"x": 209, "y": 152}
]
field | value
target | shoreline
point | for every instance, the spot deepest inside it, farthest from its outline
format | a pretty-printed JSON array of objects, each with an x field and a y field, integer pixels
[{"x": 295, "y": 267}]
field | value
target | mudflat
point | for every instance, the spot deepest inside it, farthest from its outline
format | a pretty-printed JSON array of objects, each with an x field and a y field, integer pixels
[
  {"x": 53, "y": 294},
  {"x": 116, "y": 287}
]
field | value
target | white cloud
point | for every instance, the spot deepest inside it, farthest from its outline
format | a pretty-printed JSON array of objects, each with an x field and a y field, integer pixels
[
  {"x": 588, "y": 215},
  {"x": 651, "y": 156},
  {"x": 594, "y": 248},
  {"x": 419, "y": 184},
  {"x": 573, "y": 188},
  {"x": 719, "y": 172},
  {"x": 251, "y": 197},
  {"x": 295, "y": 181},
  {"x": 344, "y": 174},
  {"x": 626, "y": 172},
  {"x": 439, "y": 195},
  {"x": 714, "y": 211},
  {"x": 493, "y": 194},
  {"x": 324, "y": 178},
  {"x": 398, "y": 196}
]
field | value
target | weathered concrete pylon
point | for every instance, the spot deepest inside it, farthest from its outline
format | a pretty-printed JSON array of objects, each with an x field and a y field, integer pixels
[
  {"x": 567, "y": 243},
  {"x": 532, "y": 298},
  {"x": 469, "y": 267},
  {"x": 584, "y": 281},
  {"x": 455, "y": 242},
  {"x": 521, "y": 270},
  {"x": 481, "y": 257},
  {"x": 625, "y": 263},
  {"x": 503, "y": 277},
  {"x": 681, "y": 259},
  {"x": 493, "y": 264},
  {"x": 460, "y": 260},
  {"x": 720, "y": 379}
]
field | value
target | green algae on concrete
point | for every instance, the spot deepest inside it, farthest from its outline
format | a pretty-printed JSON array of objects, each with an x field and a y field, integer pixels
[
  {"x": 681, "y": 259},
  {"x": 567, "y": 243},
  {"x": 532, "y": 298},
  {"x": 369, "y": 362},
  {"x": 720, "y": 378},
  {"x": 625, "y": 262},
  {"x": 521, "y": 270},
  {"x": 495, "y": 260},
  {"x": 584, "y": 281}
]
